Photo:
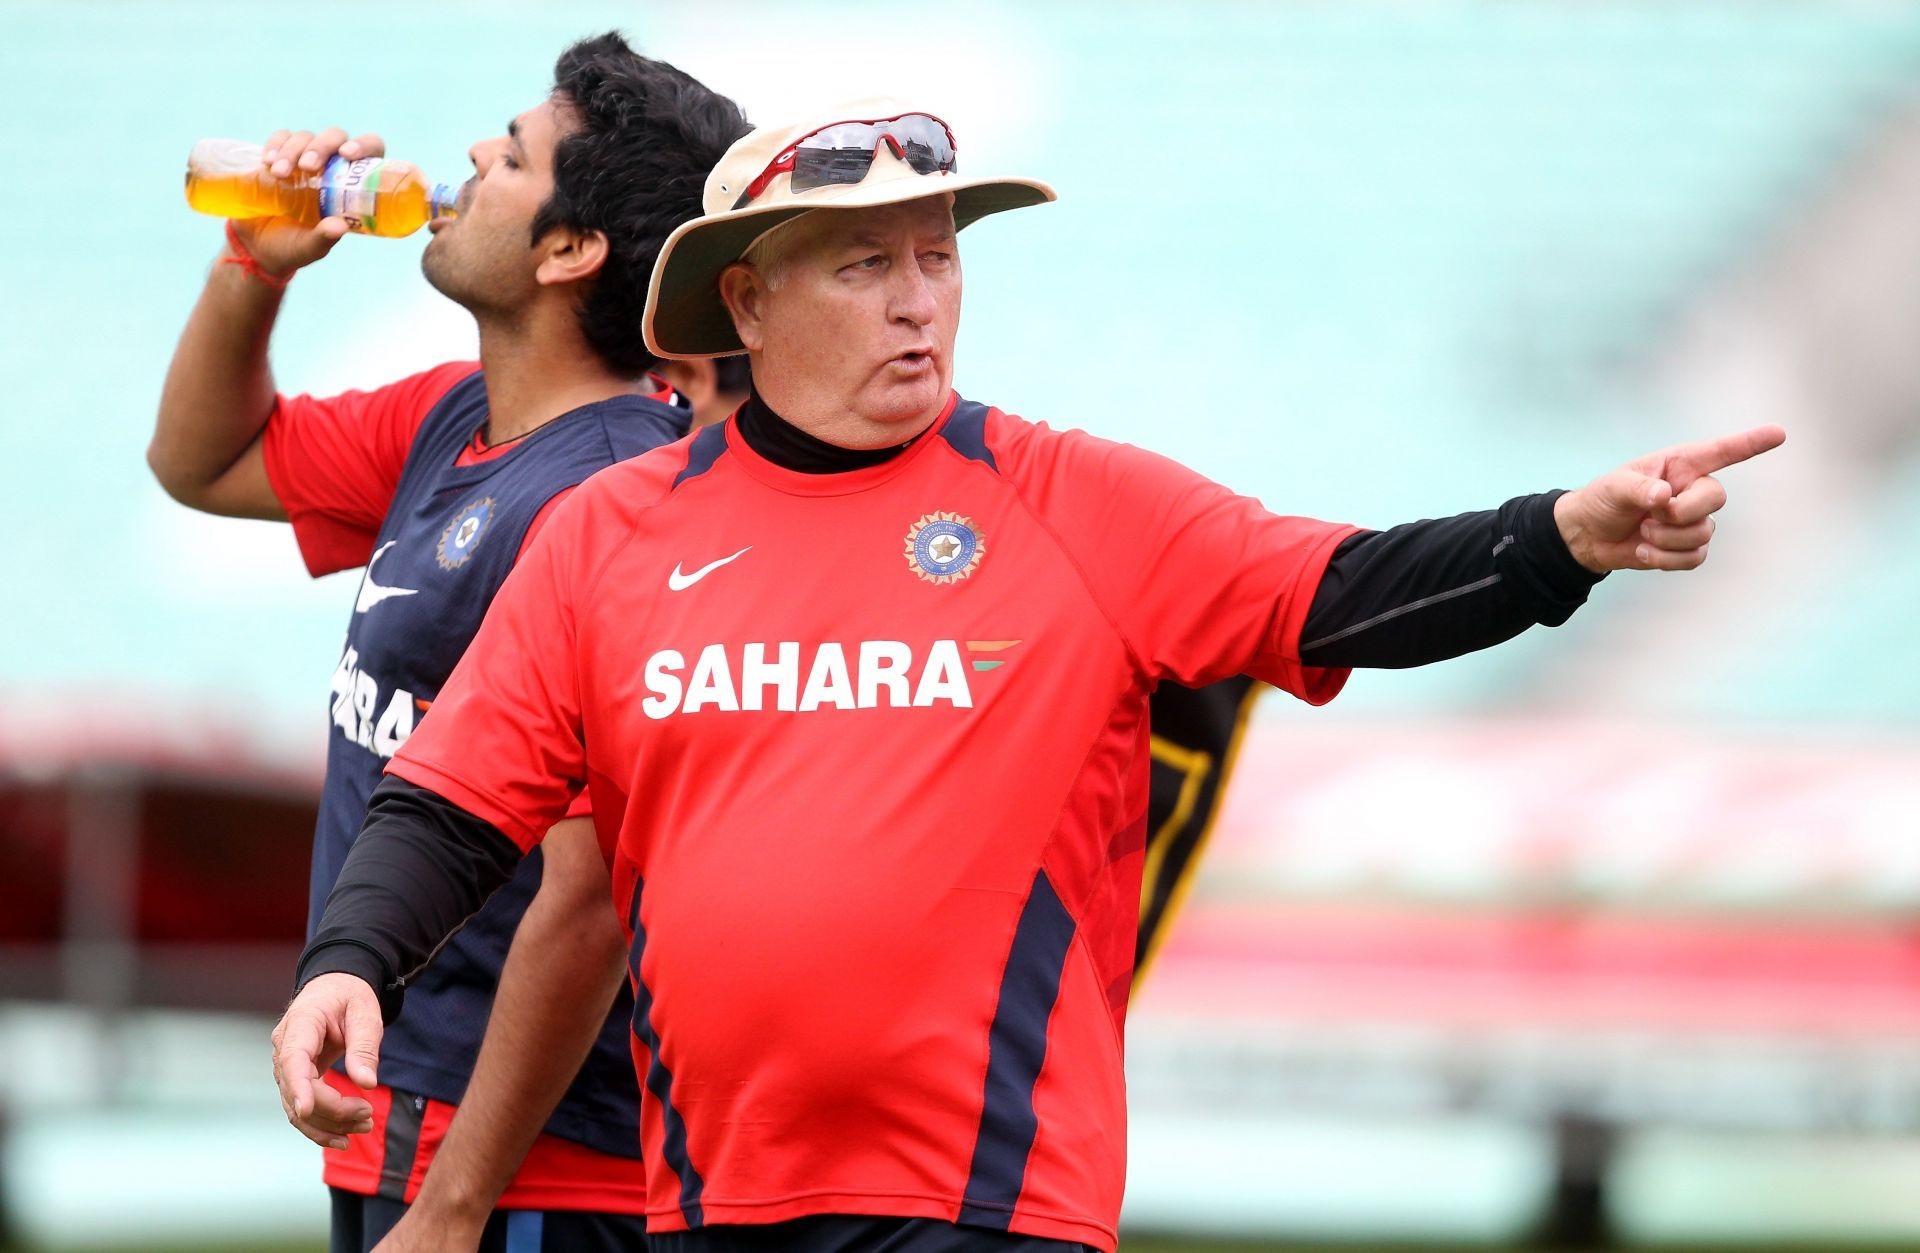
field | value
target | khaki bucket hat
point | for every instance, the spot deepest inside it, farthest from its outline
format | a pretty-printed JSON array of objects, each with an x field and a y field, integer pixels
[{"x": 685, "y": 316}]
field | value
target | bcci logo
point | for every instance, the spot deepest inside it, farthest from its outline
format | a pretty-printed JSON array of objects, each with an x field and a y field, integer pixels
[
  {"x": 943, "y": 548},
  {"x": 463, "y": 534}
]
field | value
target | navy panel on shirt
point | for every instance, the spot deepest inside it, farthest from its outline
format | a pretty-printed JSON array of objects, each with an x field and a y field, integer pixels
[{"x": 449, "y": 540}]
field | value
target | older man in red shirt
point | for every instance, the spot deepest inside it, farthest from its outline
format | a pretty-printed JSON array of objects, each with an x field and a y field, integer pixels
[{"x": 858, "y": 683}]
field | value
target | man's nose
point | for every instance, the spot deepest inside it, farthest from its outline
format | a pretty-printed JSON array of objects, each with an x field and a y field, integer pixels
[
  {"x": 482, "y": 154},
  {"x": 913, "y": 299}
]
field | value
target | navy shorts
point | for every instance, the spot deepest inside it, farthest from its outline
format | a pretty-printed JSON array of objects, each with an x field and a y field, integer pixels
[
  {"x": 851, "y": 1233},
  {"x": 359, "y": 1222}
]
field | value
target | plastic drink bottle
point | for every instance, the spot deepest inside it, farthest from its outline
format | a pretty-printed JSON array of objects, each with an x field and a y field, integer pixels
[{"x": 376, "y": 195}]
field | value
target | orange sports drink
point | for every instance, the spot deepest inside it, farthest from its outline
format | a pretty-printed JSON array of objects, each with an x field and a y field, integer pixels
[{"x": 376, "y": 195}]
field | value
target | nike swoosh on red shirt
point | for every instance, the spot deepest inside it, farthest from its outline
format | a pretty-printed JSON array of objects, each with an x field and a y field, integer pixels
[{"x": 677, "y": 581}]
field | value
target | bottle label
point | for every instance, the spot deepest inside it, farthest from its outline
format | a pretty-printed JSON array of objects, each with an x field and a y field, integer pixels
[{"x": 348, "y": 190}]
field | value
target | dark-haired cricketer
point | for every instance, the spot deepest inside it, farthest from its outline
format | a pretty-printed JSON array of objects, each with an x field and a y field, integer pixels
[{"x": 435, "y": 485}]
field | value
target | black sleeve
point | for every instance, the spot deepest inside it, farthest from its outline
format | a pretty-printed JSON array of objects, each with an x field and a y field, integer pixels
[
  {"x": 420, "y": 867},
  {"x": 1427, "y": 591}
]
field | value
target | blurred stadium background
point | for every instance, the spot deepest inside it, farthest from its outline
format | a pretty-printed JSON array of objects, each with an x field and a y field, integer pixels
[{"x": 1606, "y": 937}]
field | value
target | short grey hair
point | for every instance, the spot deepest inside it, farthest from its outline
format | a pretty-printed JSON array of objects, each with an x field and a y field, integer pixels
[{"x": 771, "y": 252}]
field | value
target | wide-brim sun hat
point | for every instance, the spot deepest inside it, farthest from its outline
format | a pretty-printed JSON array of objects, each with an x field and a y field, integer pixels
[{"x": 685, "y": 316}]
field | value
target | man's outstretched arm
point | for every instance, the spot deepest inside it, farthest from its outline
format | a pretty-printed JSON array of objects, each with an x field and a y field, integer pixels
[
  {"x": 562, "y": 972},
  {"x": 1427, "y": 591}
]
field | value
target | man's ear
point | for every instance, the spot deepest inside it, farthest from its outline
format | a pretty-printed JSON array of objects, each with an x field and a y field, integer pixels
[
  {"x": 570, "y": 256},
  {"x": 745, "y": 296},
  {"x": 693, "y": 379}
]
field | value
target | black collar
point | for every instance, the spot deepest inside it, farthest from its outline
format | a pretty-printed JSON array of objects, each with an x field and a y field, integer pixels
[{"x": 791, "y": 448}]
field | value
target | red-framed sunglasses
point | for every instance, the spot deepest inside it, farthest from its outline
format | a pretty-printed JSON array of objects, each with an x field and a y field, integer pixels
[{"x": 844, "y": 152}]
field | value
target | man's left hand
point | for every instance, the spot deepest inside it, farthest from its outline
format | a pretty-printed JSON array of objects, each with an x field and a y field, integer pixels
[{"x": 1656, "y": 512}]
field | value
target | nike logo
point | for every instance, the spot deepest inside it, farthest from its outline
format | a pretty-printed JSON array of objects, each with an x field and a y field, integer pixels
[
  {"x": 677, "y": 581},
  {"x": 372, "y": 593}
]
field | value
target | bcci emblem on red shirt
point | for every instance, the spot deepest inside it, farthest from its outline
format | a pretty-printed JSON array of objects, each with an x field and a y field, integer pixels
[
  {"x": 458, "y": 540},
  {"x": 943, "y": 548}
]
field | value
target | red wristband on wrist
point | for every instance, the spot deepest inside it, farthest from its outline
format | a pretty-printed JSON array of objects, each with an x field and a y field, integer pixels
[{"x": 237, "y": 254}]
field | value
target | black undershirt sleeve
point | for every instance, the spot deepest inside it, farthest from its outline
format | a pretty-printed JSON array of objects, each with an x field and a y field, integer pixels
[
  {"x": 420, "y": 867},
  {"x": 1427, "y": 591}
]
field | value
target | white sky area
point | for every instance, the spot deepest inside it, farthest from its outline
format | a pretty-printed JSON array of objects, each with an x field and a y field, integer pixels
[{"x": 988, "y": 80}]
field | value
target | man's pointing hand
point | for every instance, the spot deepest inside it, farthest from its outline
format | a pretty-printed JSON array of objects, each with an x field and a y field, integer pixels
[
  {"x": 1656, "y": 512},
  {"x": 334, "y": 1014}
]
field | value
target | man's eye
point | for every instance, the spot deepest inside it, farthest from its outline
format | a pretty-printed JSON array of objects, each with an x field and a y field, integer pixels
[
  {"x": 507, "y": 160},
  {"x": 937, "y": 258},
  {"x": 868, "y": 263}
]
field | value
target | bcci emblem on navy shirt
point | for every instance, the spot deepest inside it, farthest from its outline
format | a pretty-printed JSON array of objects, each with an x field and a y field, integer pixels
[{"x": 458, "y": 540}]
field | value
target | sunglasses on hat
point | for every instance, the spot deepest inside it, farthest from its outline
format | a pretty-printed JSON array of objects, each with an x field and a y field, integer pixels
[{"x": 844, "y": 152}]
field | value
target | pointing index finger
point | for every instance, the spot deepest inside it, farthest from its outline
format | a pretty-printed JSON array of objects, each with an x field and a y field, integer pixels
[{"x": 1717, "y": 454}]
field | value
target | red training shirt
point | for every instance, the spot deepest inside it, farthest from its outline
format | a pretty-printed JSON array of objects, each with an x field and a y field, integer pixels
[{"x": 870, "y": 752}]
